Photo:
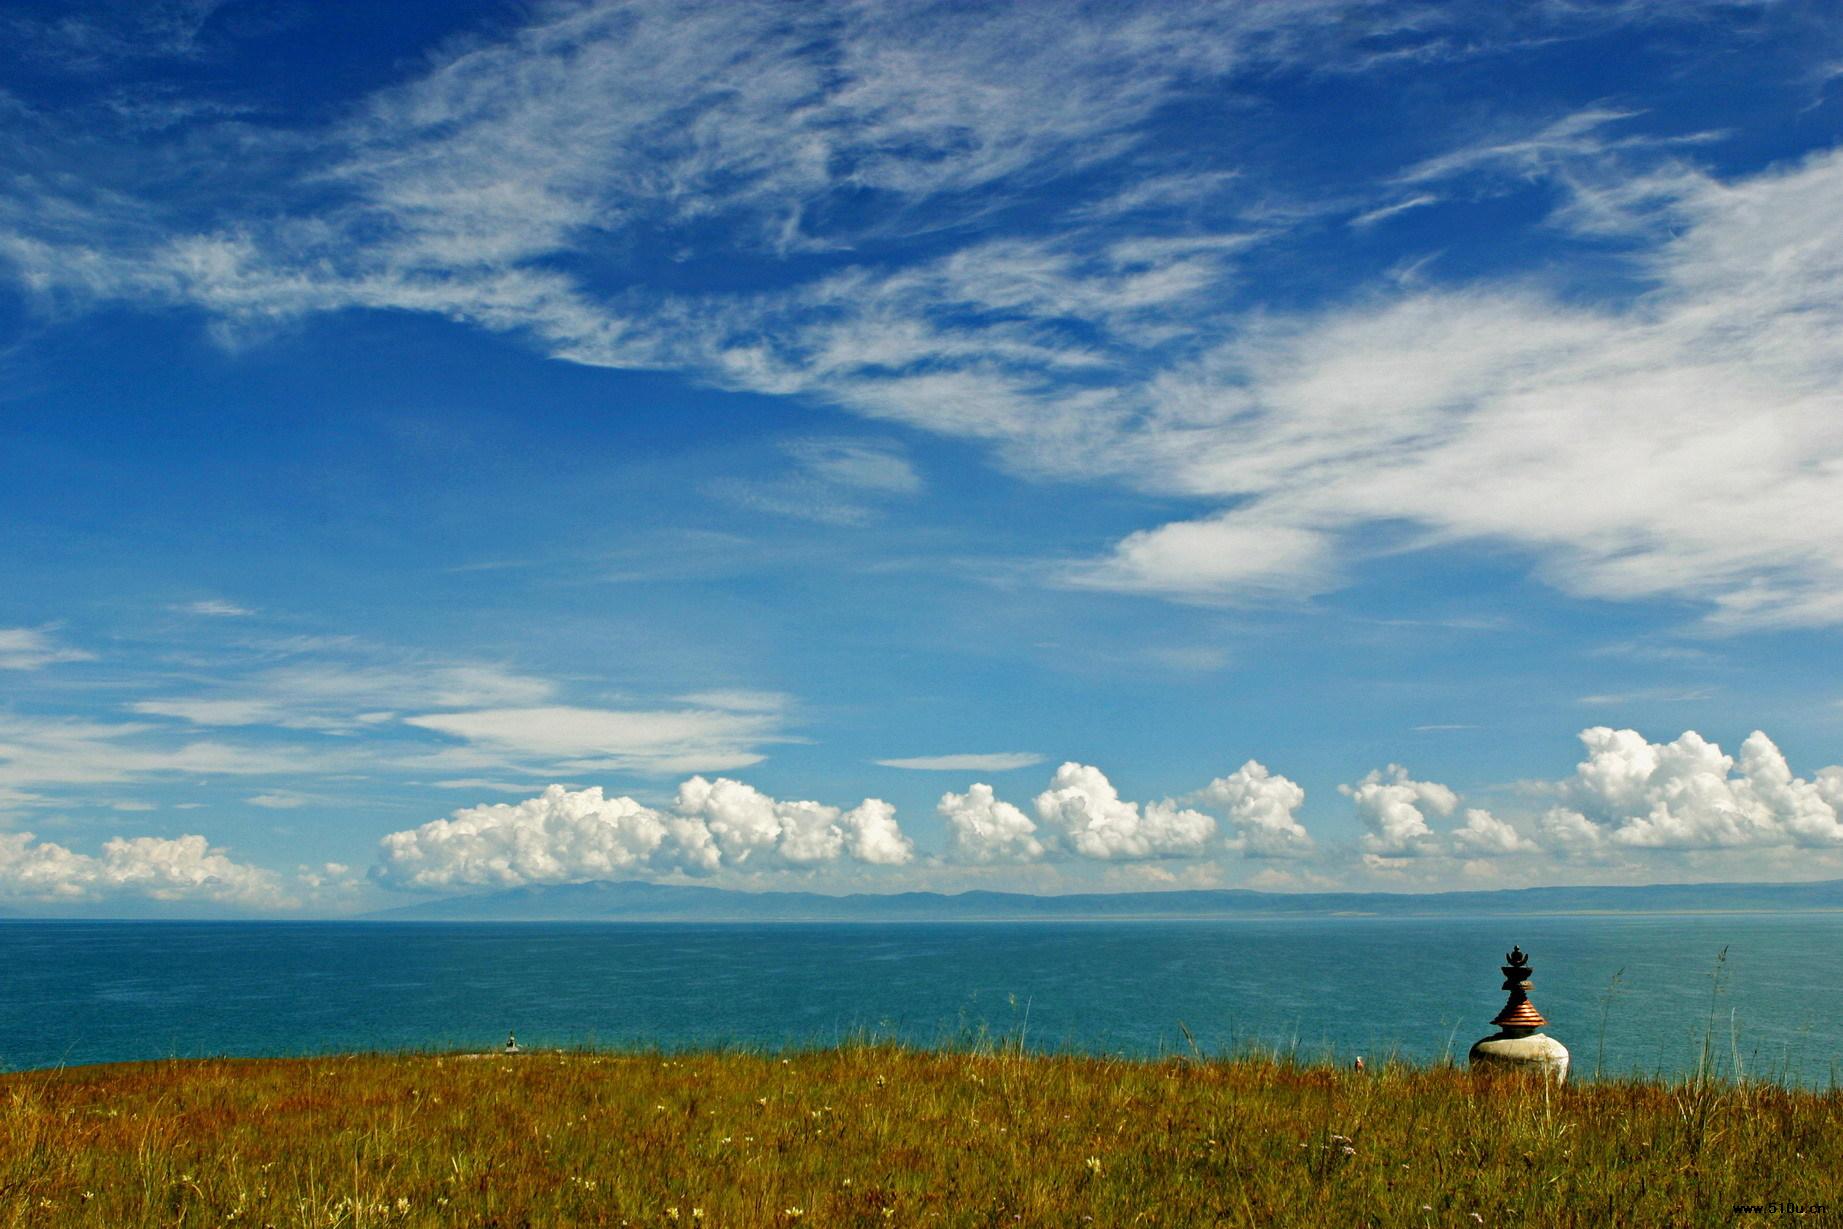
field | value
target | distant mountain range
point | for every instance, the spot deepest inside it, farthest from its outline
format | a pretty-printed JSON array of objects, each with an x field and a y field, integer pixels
[{"x": 652, "y": 902}]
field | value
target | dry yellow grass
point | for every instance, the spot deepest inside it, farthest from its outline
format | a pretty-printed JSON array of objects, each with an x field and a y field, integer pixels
[{"x": 880, "y": 1136}]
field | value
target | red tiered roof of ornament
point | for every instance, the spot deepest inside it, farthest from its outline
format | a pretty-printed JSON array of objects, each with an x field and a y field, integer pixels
[{"x": 1519, "y": 1012}]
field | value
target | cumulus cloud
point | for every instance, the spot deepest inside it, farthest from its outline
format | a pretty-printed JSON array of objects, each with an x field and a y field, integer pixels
[
  {"x": 579, "y": 836},
  {"x": 1689, "y": 794},
  {"x": 30, "y": 648},
  {"x": 1082, "y": 807},
  {"x": 1081, "y": 813},
  {"x": 1628, "y": 797},
  {"x": 1398, "y": 811},
  {"x": 183, "y": 868},
  {"x": 1483, "y": 834},
  {"x": 1571, "y": 833},
  {"x": 982, "y": 829},
  {"x": 558, "y": 837},
  {"x": 747, "y": 824},
  {"x": 1262, "y": 810},
  {"x": 873, "y": 836},
  {"x": 1394, "y": 807}
]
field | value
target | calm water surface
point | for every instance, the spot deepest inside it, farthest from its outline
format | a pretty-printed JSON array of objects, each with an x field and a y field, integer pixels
[{"x": 86, "y": 992}]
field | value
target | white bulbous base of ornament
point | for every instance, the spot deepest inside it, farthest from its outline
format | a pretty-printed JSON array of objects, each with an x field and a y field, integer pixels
[{"x": 1526, "y": 1051}]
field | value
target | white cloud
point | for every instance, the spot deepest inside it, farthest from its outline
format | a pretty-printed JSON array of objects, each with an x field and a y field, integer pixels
[
  {"x": 558, "y": 837},
  {"x": 338, "y": 695},
  {"x": 185, "y": 868},
  {"x": 1688, "y": 794},
  {"x": 864, "y": 465},
  {"x": 80, "y": 40},
  {"x": 445, "y": 193},
  {"x": 1274, "y": 878},
  {"x": 748, "y": 825},
  {"x": 996, "y": 761},
  {"x": 1370, "y": 217},
  {"x": 31, "y": 648},
  {"x": 1684, "y": 443},
  {"x": 1083, "y": 808},
  {"x": 67, "y": 751},
  {"x": 1583, "y": 134},
  {"x": 1688, "y": 446},
  {"x": 1261, "y": 807},
  {"x": 1571, "y": 833},
  {"x": 1239, "y": 556},
  {"x": 983, "y": 829},
  {"x": 329, "y": 880},
  {"x": 466, "y": 722},
  {"x": 873, "y": 836},
  {"x": 1484, "y": 834},
  {"x": 564, "y": 836},
  {"x": 739, "y": 700},
  {"x": 1629, "y": 801},
  {"x": 278, "y": 800},
  {"x": 485, "y": 783},
  {"x": 633, "y": 740},
  {"x": 1394, "y": 807},
  {"x": 215, "y": 608},
  {"x": 838, "y": 481},
  {"x": 220, "y": 712},
  {"x": 1650, "y": 695}
]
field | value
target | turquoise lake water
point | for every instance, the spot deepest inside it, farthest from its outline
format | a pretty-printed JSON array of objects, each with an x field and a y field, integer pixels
[{"x": 87, "y": 992}]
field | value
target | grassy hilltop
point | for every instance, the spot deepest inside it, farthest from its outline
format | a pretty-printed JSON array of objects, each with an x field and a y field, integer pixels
[{"x": 880, "y": 1136}]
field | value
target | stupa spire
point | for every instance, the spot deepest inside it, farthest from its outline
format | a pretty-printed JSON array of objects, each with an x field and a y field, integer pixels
[
  {"x": 1519, "y": 1041},
  {"x": 1519, "y": 1012}
]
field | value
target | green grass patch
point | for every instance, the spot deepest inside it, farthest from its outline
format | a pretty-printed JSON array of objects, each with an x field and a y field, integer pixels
[{"x": 873, "y": 1135}]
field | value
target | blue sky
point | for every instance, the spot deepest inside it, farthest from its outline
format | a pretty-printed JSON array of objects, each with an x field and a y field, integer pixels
[{"x": 866, "y": 447}]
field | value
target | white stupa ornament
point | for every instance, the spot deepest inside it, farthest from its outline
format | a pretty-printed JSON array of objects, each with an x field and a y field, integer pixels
[{"x": 1520, "y": 1041}]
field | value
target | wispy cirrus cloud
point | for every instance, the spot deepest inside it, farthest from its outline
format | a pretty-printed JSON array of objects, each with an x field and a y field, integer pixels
[
  {"x": 88, "y": 41},
  {"x": 279, "y": 800},
  {"x": 581, "y": 740},
  {"x": 1682, "y": 446},
  {"x": 215, "y": 608},
  {"x": 33, "y": 648},
  {"x": 39, "y": 753},
  {"x": 835, "y": 481},
  {"x": 339, "y": 709},
  {"x": 1130, "y": 353},
  {"x": 995, "y": 761},
  {"x": 344, "y": 694}
]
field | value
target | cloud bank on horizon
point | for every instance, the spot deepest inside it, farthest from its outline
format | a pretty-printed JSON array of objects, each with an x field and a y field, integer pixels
[
  {"x": 627, "y": 392},
  {"x": 1628, "y": 797}
]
